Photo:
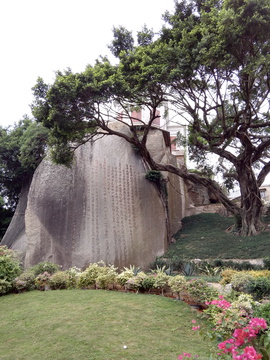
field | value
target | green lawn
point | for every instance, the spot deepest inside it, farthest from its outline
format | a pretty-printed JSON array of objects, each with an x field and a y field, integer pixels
[
  {"x": 204, "y": 236},
  {"x": 96, "y": 325}
]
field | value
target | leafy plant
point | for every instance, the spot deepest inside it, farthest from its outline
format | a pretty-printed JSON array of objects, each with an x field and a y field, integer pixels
[
  {"x": 154, "y": 176},
  {"x": 73, "y": 277},
  {"x": 136, "y": 282},
  {"x": 24, "y": 282},
  {"x": 200, "y": 292},
  {"x": 259, "y": 287},
  {"x": 59, "y": 280},
  {"x": 241, "y": 280},
  {"x": 42, "y": 281},
  {"x": 161, "y": 281},
  {"x": 148, "y": 282},
  {"x": 97, "y": 275},
  {"x": 9, "y": 269},
  {"x": 124, "y": 276},
  {"x": 42, "y": 267},
  {"x": 177, "y": 283}
]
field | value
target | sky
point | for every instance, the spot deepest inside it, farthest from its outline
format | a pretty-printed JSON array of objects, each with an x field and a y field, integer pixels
[{"x": 39, "y": 37}]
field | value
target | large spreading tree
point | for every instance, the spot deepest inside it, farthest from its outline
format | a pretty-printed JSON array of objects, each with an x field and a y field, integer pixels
[{"x": 211, "y": 63}]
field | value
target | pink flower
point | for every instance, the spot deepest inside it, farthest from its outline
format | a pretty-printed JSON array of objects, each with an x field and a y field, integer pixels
[
  {"x": 193, "y": 321},
  {"x": 187, "y": 354},
  {"x": 180, "y": 357},
  {"x": 194, "y": 328}
]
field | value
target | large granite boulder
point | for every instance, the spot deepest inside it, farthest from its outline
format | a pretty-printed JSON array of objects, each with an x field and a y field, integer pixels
[{"x": 102, "y": 208}]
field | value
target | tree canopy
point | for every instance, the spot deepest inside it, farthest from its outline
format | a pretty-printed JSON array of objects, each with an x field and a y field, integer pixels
[
  {"x": 211, "y": 64},
  {"x": 22, "y": 147}
]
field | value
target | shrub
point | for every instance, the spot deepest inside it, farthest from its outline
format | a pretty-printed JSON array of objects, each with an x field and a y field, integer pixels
[
  {"x": 161, "y": 281},
  {"x": 200, "y": 292},
  {"x": 240, "y": 281},
  {"x": 135, "y": 283},
  {"x": 263, "y": 311},
  {"x": 177, "y": 283},
  {"x": 259, "y": 273},
  {"x": 97, "y": 275},
  {"x": 148, "y": 282},
  {"x": 266, "y": 263},
  {"x": 42, "y": 281},
  {"x": 59, "y": 280},
  {"x": 124, "y": 276},
  {"x": 25, "y": 282},
  {"x": 42, "y": 267},
  {"x": 88, "y": 277},
  {"x": 106, "y": 277},
  {"x": 259, "y": 287},
  {"x": 73, "y": 277},
  {"x": 227, "y": 275},
  {"x": 9, "y": 269}
]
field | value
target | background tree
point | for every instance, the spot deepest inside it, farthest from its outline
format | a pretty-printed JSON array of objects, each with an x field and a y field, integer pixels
[
  {"x": 211, "y": 63},
  {"x": 22, "y": 147}
]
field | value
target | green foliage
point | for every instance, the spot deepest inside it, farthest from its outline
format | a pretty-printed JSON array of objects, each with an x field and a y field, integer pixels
[
  {"x": 240, "y": 281},
  {"x": 124, "y": 276},
  {"x": 177, "y": 283},
  {"x": 98, "y": 275},
  {"x": 42, "y": 267},
  {"x": 9, "y": 269},
  {"x": 200, "y": 292},
  {"x": 5, "y": 217},
  {"x": 106, "y": 277},
  {"x": 148, "y": 282},
  {"x": 123, "y": 40},
  {"x": 263, "y": 311},
  {"x": 73, "y": 277},
  {"x": 259, "y": 287},
  {"x": 154, "y": 175},
  {"x": 227, "y": 275},
  {"x": 59, "y": 280},
  {"x": 24, "y": 282},
  {"x": 161, "y": 280},
  {"x": 266, "y": 263},
  {"x": 21, "y": 150},
  {"x": 145, "y": 36},
  {"x": 136, "y": 282},
  {"x": 42, "y": 280}
]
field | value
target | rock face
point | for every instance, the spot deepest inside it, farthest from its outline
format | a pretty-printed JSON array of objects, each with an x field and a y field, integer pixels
[{"x": 102, "y": 208}]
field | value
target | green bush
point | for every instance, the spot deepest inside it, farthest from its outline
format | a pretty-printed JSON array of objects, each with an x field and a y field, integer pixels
[
  {"x": 135, "y": 283},
  {"x": 124, "y": 276},
  {"x": 42, "y": 281},
  {"x": 177, "y": 283},
  {"x": 97, "y": 275},
  {"x": 9, "y": 269},
  {"x": 42, "y": 267},
  {"x": 24, "y": 282},
  {"x": 266, "y": 263},
  {"x": 59, "y": 280},
  {"x": 263, "y": 311},
  {"x": 259, "y": 287},
  {"x": 106, "y": 277},
  {"x": 226, "y": 276},
  {"x": 200, "y": 292},
  {"x": 73, "y": 277},
  {"x": 148, "y": 282},
  {"x": 240, "y": 281}
]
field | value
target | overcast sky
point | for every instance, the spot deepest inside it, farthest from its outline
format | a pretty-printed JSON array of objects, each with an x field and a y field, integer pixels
[{"x": 40, "y": 37}]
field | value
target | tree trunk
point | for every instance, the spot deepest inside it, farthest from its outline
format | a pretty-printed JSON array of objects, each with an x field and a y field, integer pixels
[{"x": 251, "y": 204}]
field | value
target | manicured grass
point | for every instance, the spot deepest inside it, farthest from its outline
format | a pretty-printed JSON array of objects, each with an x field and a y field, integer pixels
[
  {"x": 203, "y": 236},
  {"x": 95, "y": 325}
]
